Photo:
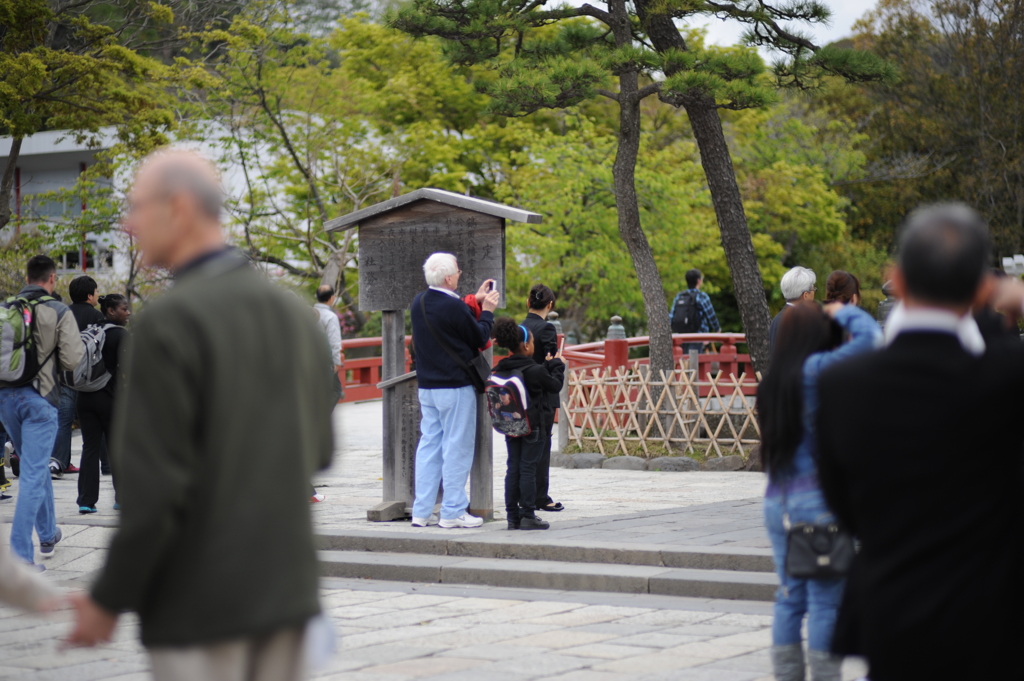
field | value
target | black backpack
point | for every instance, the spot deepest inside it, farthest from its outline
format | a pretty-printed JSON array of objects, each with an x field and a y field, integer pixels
[{"x": 685, "y": 313}]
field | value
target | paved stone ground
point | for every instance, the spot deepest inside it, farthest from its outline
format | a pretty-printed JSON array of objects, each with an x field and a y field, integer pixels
[
  {"x": 352, "y": 485},
  {"x": 392, "y": 631}
]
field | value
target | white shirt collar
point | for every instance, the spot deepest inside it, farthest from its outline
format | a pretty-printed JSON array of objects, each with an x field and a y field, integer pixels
[
  {"x": 453, "y": 294},
  {"x": 931, "y": 319}
]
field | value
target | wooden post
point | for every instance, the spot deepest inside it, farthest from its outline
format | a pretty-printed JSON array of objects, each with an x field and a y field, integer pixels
[
  {"x": 481, "y": 476},
  {"x": 398, "y": 457}
]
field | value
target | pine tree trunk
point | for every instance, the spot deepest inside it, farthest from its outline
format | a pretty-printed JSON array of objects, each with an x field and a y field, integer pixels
[
  {"x": 725, "y": 192},
  {"x": 732, "y": 223},
  {"x": 7, "y": 182},
  {"x": 624, "y": 174}
]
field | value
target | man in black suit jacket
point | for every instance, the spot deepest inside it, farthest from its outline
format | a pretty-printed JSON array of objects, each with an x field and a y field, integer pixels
[{"x": 921, "y": 458}]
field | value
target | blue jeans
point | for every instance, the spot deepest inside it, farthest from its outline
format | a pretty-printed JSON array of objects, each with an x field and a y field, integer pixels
[
  {"x": 817, "y": 598},
  {"x": 65, "y": 415},
  {"x": 445, "y": 452},
  {"x": 31, "y": 422}
]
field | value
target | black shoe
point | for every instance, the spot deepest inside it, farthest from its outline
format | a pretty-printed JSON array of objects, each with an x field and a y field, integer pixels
[
  {"x": 16, "y": 465},
  {"x": 47, "y": 546},
  {"x": 513, "y": 524},
  {"x": 532, "y": 522},
  {"x": 56, "y": 470},
  {"x": 105, "y": 470},
  {"x": 553, "y": 507}
]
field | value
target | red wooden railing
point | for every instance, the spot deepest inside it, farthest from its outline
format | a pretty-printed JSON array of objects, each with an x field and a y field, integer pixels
[{"x": 360, "y": 376}]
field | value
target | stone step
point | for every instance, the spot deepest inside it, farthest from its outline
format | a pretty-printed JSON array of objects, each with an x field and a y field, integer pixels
[
  {"x": 549, "y": 574},
  {"x": 540, "y": 546}
]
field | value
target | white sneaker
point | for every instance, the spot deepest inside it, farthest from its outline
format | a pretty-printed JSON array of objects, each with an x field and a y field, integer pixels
[
  {"x": 316, "y": 498},
  {"x": 423, "y": 522},
  {"x": 464, "y": 520}
]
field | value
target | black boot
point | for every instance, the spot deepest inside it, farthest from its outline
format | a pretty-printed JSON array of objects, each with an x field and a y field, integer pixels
[
  {"x": 513, "y": 524},
  {"x": 532, "y": 522}
]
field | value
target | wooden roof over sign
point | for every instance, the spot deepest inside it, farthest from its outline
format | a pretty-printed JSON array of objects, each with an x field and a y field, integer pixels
[{"x": 441, "y": 196}]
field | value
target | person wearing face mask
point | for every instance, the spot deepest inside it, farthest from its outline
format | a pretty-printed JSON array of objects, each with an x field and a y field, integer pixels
[{"x": 96, "y": 409}]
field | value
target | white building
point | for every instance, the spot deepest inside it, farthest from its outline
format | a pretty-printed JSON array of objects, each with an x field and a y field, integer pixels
[{"x": 51, "y": 161}]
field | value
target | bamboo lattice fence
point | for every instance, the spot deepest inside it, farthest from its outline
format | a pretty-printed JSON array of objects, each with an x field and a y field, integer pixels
[{"x": 610, "y": 409}]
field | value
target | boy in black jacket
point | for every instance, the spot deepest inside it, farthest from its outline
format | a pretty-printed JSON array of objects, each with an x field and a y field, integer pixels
[{"x": 524, "y": 452}]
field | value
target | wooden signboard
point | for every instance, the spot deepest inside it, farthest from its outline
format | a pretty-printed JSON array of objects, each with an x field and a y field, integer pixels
[
  {"x": 393, "y": 247},
  {"x": 395, "y": 238}
]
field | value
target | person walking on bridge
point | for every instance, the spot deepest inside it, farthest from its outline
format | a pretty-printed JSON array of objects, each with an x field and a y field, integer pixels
[{"x": 692, "y": 311}]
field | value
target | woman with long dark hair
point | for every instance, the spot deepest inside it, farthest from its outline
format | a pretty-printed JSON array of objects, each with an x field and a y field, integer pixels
[{"x": 809, "y": 340}]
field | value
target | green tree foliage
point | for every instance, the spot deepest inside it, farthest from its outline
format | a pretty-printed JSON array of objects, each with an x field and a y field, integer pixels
[
  {"x": 950, "y": 128},
  {"x": 322, "y": 126},
  {"x": 86, "y": 69},
  {"x": 559, "y": 57}
]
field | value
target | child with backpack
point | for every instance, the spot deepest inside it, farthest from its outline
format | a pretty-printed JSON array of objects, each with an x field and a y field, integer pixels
[{"x": 515, "y": 395}]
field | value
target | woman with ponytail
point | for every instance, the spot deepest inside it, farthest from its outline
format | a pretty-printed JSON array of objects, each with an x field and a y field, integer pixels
[
  {"x": 540, "y": 303},
  {"x": 524, "y": 453}
]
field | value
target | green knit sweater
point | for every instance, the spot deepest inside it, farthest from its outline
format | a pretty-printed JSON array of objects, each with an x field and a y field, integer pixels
[{"x": 225, "y": 415}]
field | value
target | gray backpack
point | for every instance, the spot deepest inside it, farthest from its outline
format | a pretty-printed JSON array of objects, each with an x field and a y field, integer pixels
[{"x": 91, "y": 373}]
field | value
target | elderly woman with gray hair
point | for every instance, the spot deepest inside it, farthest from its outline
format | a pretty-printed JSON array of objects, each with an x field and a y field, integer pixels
[{"x": 446, "y": 337}]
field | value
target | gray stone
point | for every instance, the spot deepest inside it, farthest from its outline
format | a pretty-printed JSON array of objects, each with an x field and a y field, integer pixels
[
  {"x": 754, "y": 463},
  {"x": 733, "y": 462},
  {"x": 625, "y": 463},
  {"x": 673, "y": 463},
  {"x": 587, "y": 460},
  {"x": 559, "y": 460}
]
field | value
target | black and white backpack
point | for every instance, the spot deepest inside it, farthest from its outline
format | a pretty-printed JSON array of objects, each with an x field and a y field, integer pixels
[
  {"x": 91, "y": 373},
  {"x": 507, "y": 403}
]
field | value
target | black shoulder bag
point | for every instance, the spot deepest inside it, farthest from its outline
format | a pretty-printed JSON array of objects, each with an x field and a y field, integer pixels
[
  {"x": 478, "y": 368},
  {"x": 816, "y": 551}
]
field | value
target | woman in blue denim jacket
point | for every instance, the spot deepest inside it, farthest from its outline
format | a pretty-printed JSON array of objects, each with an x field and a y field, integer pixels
[{"x": 809, "y": 340}]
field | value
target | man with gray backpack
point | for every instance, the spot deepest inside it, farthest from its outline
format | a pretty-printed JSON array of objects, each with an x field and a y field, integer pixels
[{"x": 38, "y": 338}]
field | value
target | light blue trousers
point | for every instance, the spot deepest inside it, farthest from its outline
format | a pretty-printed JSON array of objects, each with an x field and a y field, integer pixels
[
  {"x": 445, "y": 452},
  {"x": 31, "y": 422}
]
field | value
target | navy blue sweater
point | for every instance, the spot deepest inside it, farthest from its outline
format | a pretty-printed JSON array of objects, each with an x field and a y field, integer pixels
[{"x": 452, "y": 320}]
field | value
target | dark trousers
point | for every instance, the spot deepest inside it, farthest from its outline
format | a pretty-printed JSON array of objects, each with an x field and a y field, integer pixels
[
  {"x": 544, "y": 463},
  {"x": 3, "y": 457},
  {"x": 688, "y": 347},
  {"x": 95, "y": 411},
  {"x": 65, "y": 416},
  {"x": 524, "y": 454}
]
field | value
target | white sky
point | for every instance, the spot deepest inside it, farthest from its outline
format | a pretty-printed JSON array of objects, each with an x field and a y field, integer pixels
[{"x": 844, "y": 14}]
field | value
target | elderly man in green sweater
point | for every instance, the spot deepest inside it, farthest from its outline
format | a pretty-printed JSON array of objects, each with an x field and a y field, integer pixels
[{"x": 225, "y": 415}]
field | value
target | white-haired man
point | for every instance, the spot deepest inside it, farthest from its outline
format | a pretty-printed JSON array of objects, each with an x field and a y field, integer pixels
[
  {"x": 442, "y": 324},
  {"x": 797, "y": 284}
]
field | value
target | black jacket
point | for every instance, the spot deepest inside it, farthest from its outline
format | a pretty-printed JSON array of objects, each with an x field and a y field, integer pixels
[
  {"x": 921, "y": 457},
  {"x": 545, "y": 342},
  {"x": 540, "y": 379},
  {"x": 85, "y": 314},
  {"x": 452, "y": 320},
  {"x": 773, "y": 330}
]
